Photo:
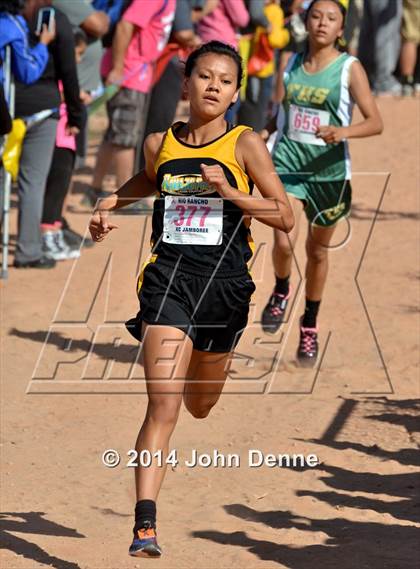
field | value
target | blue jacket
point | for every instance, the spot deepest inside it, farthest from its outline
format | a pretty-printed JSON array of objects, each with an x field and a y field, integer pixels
[{"x": 28, "y": 64}]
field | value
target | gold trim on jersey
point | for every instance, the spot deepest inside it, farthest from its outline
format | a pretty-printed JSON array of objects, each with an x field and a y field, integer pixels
[
  {"x": 150, "y": 260},
  {"x": 222, "y": 149}
]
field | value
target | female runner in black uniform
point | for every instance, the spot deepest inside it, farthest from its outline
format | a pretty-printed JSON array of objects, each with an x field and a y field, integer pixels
[{"x": 195, "y": 290}]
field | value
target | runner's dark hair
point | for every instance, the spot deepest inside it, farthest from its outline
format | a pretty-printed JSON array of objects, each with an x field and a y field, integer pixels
[{"x": 218, "y": 48}]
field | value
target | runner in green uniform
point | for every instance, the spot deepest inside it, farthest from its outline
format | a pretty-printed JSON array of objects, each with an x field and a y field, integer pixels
[{"x": 312, "y": 159}]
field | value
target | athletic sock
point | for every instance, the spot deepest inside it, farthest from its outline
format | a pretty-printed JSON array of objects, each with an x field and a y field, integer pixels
[
  {"x": 282, "y": 286},
  {"x": 407, "y": 80},
  {"x": 145, "y": 510},
  {"x": 311, "y": 312}
]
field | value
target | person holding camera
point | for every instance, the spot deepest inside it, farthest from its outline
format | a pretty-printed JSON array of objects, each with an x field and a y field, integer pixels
[{"x": 39, "y": 141}]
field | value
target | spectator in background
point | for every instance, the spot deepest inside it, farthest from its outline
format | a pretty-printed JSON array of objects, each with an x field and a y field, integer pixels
[
  {"x": 55, "y": 244},
  {"x": 28, "y": 63},
  {"x": 114, "y": 9},
  {"x": 139, "y": 39},
  {"x": 379, "y": 44},
  {"x": 353, "y": 24},
  {"x": 5, "y": 119},
  {"x": 410, "y": 32},
  {"x": 38, "y": 144},
  {"x": 261, "y": 65},
  {"x": 417, "y": 73},
  {"x": 201, "y": 8},
  {"x": 5, "y": 128},
  {"x": 167, "y": 90},
  {"x": 257, "y": 16},
  {"x": 95, "y": 24},
  {"x": 292, "y": 10},
  {"x": 223, "y": 22}
]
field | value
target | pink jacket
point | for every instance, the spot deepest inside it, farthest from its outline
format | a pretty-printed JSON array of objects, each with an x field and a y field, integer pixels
[
  {"x": 222, "y": 23},
  {"x": 62, "y": 139}
]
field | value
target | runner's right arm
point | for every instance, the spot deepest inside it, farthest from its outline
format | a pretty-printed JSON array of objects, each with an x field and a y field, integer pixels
[
  {"x": 142, "y": 185},
  {"x": 269, "y": 128},
  {"x": 271, "y": 125}
]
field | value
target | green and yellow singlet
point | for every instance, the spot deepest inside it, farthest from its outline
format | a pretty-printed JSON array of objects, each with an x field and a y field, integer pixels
[{"x": 313, "y": 100}]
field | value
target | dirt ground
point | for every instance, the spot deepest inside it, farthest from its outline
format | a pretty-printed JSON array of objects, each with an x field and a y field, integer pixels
[{"x": 72, "y": 387}]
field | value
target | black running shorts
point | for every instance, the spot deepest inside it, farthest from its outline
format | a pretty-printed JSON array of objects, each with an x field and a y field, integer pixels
[{"x": 211, "y": 309}]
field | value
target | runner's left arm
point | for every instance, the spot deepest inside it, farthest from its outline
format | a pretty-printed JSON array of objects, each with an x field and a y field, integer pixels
[
  {"x": 372, "y": 122},
  {"x": 361, "y": 93},
  {"x": 273, "y": 207}
]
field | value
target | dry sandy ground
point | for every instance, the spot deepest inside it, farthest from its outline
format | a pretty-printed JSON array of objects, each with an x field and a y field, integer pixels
[{"x": 72, "y": 387}]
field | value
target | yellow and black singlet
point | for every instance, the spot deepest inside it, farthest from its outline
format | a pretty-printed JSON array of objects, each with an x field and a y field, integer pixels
[{"x": 192, "y": 226}]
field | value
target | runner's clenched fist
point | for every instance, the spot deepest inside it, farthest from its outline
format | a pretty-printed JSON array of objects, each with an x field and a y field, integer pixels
[{"x": 215, "y": 176}]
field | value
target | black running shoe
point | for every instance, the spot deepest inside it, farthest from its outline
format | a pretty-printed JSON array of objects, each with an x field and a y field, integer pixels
[
  {"x": 307, "y": 353},
  {"x": 273, "y": 314},
  {"x": 42, "y": 263},
  {"x": 145, "y": 542}
]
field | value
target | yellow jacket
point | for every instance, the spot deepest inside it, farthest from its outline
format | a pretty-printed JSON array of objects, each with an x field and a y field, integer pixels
[{"x": 277, "y": 38}]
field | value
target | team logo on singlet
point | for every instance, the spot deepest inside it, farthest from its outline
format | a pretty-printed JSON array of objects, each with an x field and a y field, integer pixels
[
  {"x": 307, "y": 94},
  {"x": 334, "y": 212},
  {"x": 185, "y": 184}
]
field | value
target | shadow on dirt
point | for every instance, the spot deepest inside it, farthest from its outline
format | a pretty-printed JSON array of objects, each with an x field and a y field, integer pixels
[
  {"x": 368, "y": 213},
  {"x": 34, "y": 523},
  {"x": 122, "y": 353},
  {"x": 346, "y": 543}
]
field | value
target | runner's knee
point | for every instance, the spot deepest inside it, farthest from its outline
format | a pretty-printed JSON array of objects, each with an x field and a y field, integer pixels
[
  {"x": 316, "y": 253},
  {"x": 199, "y": 409},
  {"x": 200, "y": 412},
  {"x": 283, "y": 246},
  {"x": 164, "y": 409}
]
